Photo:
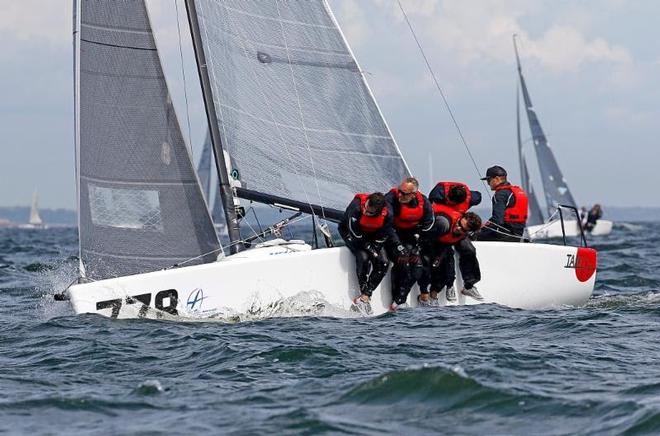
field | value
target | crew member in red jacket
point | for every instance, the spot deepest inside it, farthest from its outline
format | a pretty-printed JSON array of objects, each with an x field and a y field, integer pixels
[
  {"x": 455, "y": 196},
  {"x": 510, "y": 209},
  {"x": 453, "y": 226},
  {"x": 365, "y": 227},
  {"x": 413, "y": 220}
]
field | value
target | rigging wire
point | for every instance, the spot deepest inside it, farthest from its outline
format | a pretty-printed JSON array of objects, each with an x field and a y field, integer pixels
[
  {"x": 442, "y": 94},
  {"x": 183, "y": 73}
]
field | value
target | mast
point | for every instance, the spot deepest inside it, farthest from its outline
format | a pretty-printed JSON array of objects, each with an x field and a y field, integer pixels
[
  {"x": 523, "y": 179},
  {"x": 226, "y": 193},
  {"x": 76, "y": 119}
]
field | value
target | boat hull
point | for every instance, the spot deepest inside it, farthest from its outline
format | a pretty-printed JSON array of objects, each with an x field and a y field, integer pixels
[
  {"x": 528, "y": 276},
  {"x": 553, "y": 229}
]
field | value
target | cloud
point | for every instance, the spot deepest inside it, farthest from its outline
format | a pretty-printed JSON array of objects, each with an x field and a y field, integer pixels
[
  {"x": 563, "y": 48},
  {"x": 36, "y": 21},
  {"x": 470, "y": 34},
  {"x": 354, "y": 23}
]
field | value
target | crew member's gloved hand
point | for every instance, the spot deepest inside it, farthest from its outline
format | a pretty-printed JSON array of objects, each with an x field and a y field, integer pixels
[
  {"x": 372, "y": 249},
  {"x": 403, "y": 256}
]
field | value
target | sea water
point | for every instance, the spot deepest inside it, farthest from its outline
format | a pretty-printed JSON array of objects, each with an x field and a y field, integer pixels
[{"x": 481, "y": 369}]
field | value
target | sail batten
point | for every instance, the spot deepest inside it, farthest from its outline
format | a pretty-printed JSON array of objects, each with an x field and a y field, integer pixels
[
  {"x": 140, "y": 204},
  {"x": 293, "y": 110}
]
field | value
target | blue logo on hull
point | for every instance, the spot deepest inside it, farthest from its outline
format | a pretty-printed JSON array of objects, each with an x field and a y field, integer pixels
[{"x": 195, "y": 299}]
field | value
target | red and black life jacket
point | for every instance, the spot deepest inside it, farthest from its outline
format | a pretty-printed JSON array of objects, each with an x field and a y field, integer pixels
[
  {"x": 408, "y": 217},
  {"x": 370, "y": 224},
  {"x": 453, "y": 216},
  {"x": 516, "y": 214},
  {"x": 464, "y": 205}
]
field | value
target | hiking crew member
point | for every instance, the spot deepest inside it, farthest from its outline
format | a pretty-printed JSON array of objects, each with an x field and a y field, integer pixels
[
  {"x": 365, "y": 227},
  {"x": 447, "y": 197},
  {"x": 510, "y": 208},
  {"x": 452, "y": 227},
  {"x": 413, "y": 220},
  {"x": 455, "y": 194}
]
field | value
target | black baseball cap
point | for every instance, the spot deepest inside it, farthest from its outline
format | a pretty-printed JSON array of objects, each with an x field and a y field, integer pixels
[{"x": 494, "y": 171}]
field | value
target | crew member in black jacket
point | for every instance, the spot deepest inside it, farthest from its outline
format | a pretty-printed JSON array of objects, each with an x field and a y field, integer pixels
[
  {"x": 510, "y": 208},
  {"x": 413, "y": 220},
  {"x": 366, "y": 227},
  {"x": 447, "y": 197}
]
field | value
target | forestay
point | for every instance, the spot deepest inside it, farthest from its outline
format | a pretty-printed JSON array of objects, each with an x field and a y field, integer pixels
[
  {"x": 294, "y": 111},
  {"x": 141, "y": 206},
  {"x": 554, "y": 185}
]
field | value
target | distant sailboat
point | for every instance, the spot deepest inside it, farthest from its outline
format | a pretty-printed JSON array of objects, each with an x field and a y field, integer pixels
[
  {"x": 35, "y": 221},
  {"x": 555, "y": 187}
]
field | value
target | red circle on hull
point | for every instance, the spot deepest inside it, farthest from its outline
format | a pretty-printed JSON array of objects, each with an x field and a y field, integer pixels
[{"x": 585, "y": 263}]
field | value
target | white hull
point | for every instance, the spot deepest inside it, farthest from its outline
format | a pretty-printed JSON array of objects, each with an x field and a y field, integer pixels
[
  {"x": 33, "y": 226},
  {"x": 529, "y": 276},
  {"x": 553, "y": 229}
]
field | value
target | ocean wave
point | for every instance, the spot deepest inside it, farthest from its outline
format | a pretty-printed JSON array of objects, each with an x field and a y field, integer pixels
[{"x": 447, "y": 388}]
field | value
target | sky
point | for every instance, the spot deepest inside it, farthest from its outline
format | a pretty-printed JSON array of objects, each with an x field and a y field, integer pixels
[{"x": 592, "y": 68}]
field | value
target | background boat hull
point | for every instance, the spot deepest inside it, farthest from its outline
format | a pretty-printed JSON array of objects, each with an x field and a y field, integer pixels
[{"x": 553, "y": 229}]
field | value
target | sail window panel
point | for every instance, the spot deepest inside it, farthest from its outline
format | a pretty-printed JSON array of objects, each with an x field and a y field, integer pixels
[
  {"x": 125, "y": 208},
  {"x": 293, "y": 109}
]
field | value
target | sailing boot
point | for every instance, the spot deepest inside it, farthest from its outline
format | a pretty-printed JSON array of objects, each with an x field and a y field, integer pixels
[
  {"x": 451, "y": 294},
  {"x": 362, "y": 307},
  {"x": 472, "y": 292},
  {"x": 424, "y": 302}
]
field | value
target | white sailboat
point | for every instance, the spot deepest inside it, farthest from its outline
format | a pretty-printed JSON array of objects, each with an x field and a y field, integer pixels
[
  {"x": 288, "y": 103},
  {"x": 35, "y": 221},
  {"x": 555, "y": 187}
]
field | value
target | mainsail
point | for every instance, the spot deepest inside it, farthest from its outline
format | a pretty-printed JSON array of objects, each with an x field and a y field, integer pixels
[
  {"x": 554, "y": 184},
  {"x": 35, "y": 219},
  {"x": 140, "y": 203},
  {"x": 293, "y": 109},
  {"x": 535, "y": 214}
]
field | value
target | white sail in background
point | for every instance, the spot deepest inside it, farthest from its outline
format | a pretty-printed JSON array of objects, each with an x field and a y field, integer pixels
[
  {"x": 294, "y": 111},
  {"x": 35, "y": 219},
  {"x": 140, "y": 204}
]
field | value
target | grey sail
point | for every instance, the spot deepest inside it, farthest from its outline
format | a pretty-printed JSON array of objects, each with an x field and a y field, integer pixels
[
  {"x": 205, "y": 168},
  {"x": 535, "y": 214},
  {"x": 554, "y": 185},
  {"x": 140, "y": 203},
  {"x": 217, "y": 213},
  {"x": 294, "y": 111}
]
